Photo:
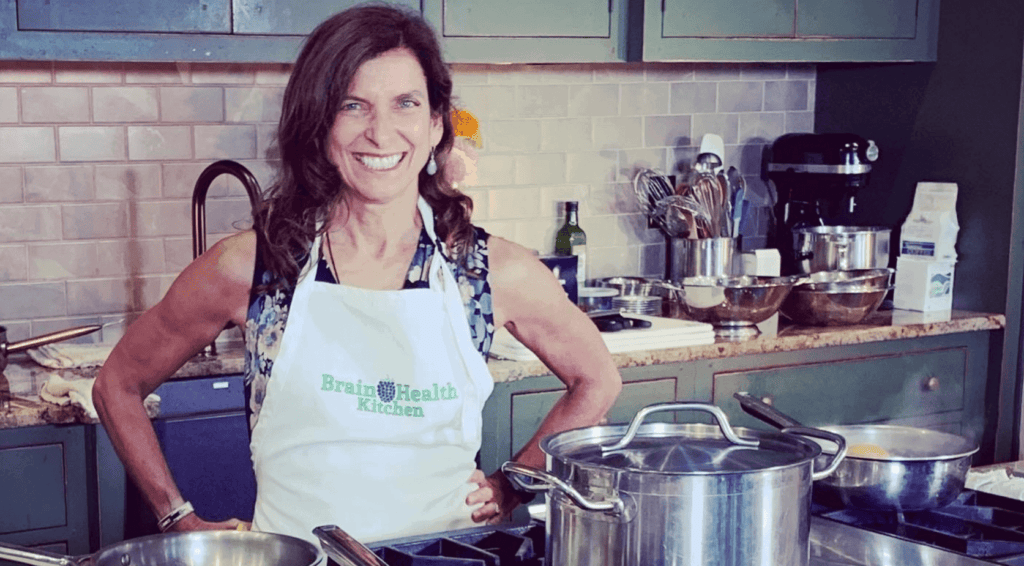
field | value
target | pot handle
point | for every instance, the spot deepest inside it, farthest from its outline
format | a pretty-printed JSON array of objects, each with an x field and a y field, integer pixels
[
  {"x": 34, "y": 556},
  {"x": 543, "y": 481},
  {"x": 719, "y": 414},
  {"x": 838, "y": 440},
  {"x": 843, "y": 253}
]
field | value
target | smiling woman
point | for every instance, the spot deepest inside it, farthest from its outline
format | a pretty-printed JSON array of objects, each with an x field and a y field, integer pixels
[{"x": 366, "y": 294}]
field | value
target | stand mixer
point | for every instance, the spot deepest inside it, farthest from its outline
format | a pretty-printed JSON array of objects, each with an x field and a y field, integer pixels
[{"x": 816, "y": 179}]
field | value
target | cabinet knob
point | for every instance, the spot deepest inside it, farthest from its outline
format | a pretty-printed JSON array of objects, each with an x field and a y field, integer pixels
[{"x": 931, "y": 384}]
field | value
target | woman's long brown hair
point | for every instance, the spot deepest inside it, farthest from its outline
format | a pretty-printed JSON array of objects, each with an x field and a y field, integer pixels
[{"x": 308, "y": 185}]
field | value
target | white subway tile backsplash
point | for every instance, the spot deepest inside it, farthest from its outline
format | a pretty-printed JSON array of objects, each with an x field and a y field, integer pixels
[
  {"x": 495, "y": 170},
  {"x": 23, "y": 223},
  {"x": 10, "y": 185},
  {"x": 566, "y": 133},
  {"x": 27, "y": 144},
  {"x": 122, "y": 294},
  {"x": 668, "y": 131},
  {"x": 592, "y": 166},
  {"x": 88, "y": 72},
  {"x": 539, "y": 168},
  {"x": 13, "y": 263},
  {"x": 613, "y": 132},
  {"x": 8, "y": 105},
  {"x": 513, "y": 203},
  {"x": 92, "y": 143},
  {"x": 157, "y": 73},
  {"x": 128, "y": 182},
  {"x": 95, "y": 221},
  {"x": 514, "y": 135},
  {"x": 693, "y": 97},
  {"x": 740, "y": 96},
  {"x": 643, "y": 99},
  {"x": 124, "y": 143},
  {"x": 261, "y": 104},
  {"x": 125, "y": 104},
  {"x": 785, "y": 95},
  {"x": 725, "y": 125},
  {"x": 594, "y": 100},
  {"x": 19, "y": 72},
  {"x": 59, "y": 183},
  {"x": 155, "y": 219},
  {"x": 32, "y": 300},
  {"x": 225, "y": 142},
  {"x": 54, "y": 104},
  {"x": 191, "y": 104},
  {"x": 147, "y": 143},
  {"x": 551, "y": 101}
]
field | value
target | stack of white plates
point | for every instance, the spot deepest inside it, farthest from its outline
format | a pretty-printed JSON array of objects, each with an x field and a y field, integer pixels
[{"x": 638, "y": 304}]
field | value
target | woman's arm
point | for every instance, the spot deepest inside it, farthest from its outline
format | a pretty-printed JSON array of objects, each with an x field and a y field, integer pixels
[
  {"x": 530, "y": 303},
  {"x": 212, "y": 291}
]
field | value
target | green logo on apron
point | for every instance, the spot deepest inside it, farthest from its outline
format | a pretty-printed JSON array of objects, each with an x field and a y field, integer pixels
[{"x": 385, "y": 397}]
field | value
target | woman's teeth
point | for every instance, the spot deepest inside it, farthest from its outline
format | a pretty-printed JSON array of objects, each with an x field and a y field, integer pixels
[{"x": 380, "y": 163}]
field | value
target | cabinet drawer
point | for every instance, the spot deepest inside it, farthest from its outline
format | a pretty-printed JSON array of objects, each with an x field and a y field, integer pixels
[
  {"x": 32, "y": 488},
  {"x": 854, "y": 391},
  {"x": 198, "y": 396},
  {"x": 529, "y": 409}
]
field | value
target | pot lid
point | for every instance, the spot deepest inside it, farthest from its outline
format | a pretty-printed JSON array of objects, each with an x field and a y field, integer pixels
[{"x": 668, "y": 448}]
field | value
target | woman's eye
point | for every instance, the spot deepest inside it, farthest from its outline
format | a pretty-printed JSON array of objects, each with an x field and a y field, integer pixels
[
  {"x": 409, "y": 103},
  {"x": 350, "y": 106}
]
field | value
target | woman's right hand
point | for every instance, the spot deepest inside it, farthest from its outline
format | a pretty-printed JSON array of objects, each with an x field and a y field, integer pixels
[{"x": 193, "y": 522}]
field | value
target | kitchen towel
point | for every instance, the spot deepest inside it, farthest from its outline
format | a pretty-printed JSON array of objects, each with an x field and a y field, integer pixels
[
  {"x": 62, "y": 356},
  {"x": 60, "y": 391}
]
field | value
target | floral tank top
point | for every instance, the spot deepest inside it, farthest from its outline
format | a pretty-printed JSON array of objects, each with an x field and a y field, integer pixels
[{"x": 268, "y": 312}]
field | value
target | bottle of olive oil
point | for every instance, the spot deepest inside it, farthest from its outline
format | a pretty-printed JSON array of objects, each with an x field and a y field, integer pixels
[{"x": 572, "y": 240}]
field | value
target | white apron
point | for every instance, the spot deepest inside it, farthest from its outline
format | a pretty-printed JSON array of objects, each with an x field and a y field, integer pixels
[{"x": 372, "y": 416}]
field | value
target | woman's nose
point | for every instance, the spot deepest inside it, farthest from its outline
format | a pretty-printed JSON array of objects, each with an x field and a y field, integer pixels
[{"x": 380, "y": 127}]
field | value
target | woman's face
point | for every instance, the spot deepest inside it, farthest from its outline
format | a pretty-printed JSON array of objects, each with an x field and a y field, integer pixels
[{"x": 383, "y": 131}]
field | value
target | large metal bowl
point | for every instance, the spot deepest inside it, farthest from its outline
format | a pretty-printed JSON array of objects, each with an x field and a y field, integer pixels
[
  {"x": 733, "y": 305},
  {"x": 851, "y": 280},
  {"x": 832, "y": 308}
]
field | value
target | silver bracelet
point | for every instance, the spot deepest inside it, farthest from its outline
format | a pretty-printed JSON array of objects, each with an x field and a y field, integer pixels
[{"x": 172, "y": 518}]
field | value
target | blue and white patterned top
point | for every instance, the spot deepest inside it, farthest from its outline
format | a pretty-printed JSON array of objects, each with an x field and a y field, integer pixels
[{"x": 268, "y": 312}]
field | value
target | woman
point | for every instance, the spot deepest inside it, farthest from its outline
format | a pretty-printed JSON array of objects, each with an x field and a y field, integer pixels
[{"x": 370, "y": 313}]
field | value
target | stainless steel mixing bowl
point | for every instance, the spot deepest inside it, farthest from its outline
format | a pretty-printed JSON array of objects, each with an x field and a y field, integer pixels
[
  {"x": 851, "y": 280},
  {"x": 832, "y": 308},
  {"x": 735, "y": 304}
]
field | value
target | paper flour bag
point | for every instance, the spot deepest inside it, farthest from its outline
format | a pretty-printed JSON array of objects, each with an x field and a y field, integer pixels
[{"x": 931, "y": 228}]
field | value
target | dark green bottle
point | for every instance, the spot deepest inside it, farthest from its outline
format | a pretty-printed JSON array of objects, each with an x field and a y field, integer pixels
[{"x": 572, "y": 240}]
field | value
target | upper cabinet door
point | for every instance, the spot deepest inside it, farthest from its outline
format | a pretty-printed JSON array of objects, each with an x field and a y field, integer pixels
[
  {"x": 529, "y": 31},
  {"x": 881, "y": 19},
  {"x": 729, "y": 18},
  {"x": 184, "y": 16},
  {"x": 790, "y": 30},
  {"x": 288, "y": 17}
]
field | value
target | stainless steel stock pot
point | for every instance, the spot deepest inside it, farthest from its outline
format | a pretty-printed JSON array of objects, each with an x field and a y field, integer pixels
[
  {"x": 841, "y": 248},
  {"x": 667, "y": 493}
]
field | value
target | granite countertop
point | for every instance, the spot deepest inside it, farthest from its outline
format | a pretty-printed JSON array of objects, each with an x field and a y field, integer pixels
[{"x": 26, "y": 377}]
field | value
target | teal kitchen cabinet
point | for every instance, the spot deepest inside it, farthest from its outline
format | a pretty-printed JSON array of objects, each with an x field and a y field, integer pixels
[
  {"x": 240, "y": 31},
  {"x": 937, "y": 382},
  {"x": 790, "y": 30},
  {"x": 530, "y": 31},
  {"x": 44, "y": 488},
  {"x": 516, "y": 408}
]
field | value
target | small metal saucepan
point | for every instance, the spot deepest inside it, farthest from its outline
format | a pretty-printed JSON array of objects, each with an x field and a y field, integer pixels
[
  {"x": 15, "y": 347},
  {"x": 887, "y": 467},
  {"x": 205, "y": 548}
]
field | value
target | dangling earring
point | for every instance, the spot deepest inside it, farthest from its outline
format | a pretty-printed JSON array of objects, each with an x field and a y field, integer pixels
[{"x": 431, "y": 164}]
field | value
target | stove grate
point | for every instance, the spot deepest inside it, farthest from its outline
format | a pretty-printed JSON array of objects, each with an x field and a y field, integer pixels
[{"x": 521, "y": 545}]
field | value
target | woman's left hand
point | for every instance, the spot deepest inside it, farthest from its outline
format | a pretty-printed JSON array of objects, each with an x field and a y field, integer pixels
[{"x": 496, "y": 494}]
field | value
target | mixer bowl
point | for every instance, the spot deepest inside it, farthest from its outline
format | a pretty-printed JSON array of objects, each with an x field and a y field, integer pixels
[
  {"x": 832, "y": 308},
  {"x": 733, "y": 305}
]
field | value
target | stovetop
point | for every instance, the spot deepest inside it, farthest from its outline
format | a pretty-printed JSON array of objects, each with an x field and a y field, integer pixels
[{"x": 977, "y": 529}]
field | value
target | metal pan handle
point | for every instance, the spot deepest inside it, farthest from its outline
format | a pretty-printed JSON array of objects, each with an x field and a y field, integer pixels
[
  {"x": 824, "y": 435},
  {"x": 763, "y": 411},
  {"x": 34, "y": 556},
  {"x": 543, "y": 481},
  {"x": 719, "y": 414},
  {"x": 345, "y": 550}
]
